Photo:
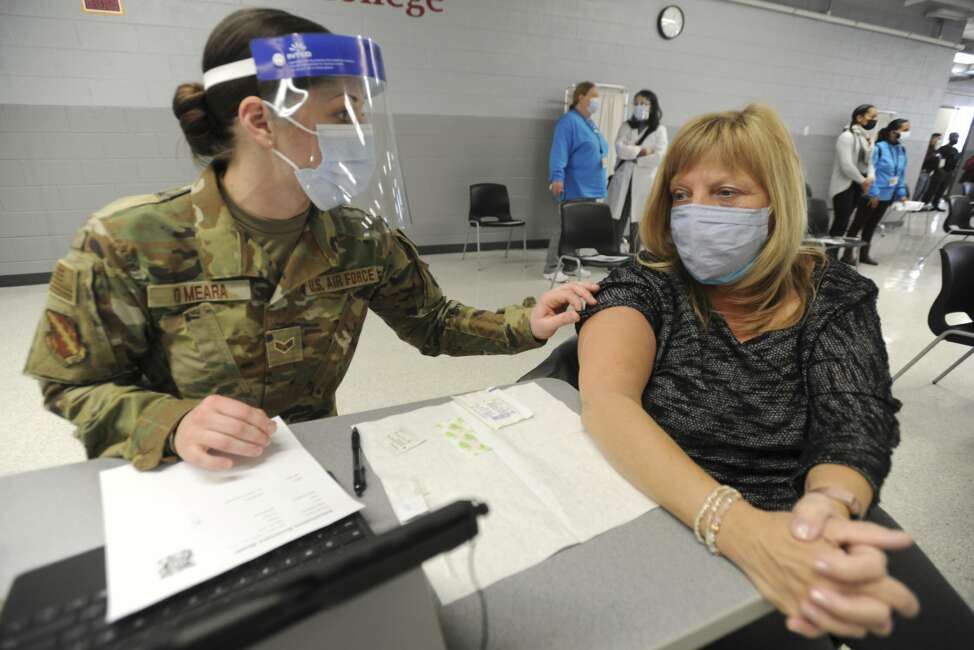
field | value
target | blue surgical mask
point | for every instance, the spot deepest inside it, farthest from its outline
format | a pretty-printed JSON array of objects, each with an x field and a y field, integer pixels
[
  {"x": 718, "y": 245},
  {"x": 346, "y": 167},
  {"x": 641, "y": 112},
  {"x": 594, "y": 104}
]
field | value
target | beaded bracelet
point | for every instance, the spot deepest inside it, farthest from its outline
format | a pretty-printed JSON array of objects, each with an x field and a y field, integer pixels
[
  {"x": 705, "y": 509},
  {"x": 717, "y": 518}
]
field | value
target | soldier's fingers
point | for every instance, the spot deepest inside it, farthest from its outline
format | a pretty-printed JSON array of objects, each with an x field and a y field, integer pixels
[
  {"x": 564, "y": 296},
  {"x": 230, "y": 445},
  {"x": 197, "y": 455},
  {"x": 564, "y": 318},
  {"x": 239, "y": 429},
  {"x": 575, "y": 300},
  {"x": 241, "y": 411},
  {"x": 219, "y": 403},
  {"x": 582, "y": 292}
]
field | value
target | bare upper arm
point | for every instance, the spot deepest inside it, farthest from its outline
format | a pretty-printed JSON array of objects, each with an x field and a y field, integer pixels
[{"x": 616, "y": 350}]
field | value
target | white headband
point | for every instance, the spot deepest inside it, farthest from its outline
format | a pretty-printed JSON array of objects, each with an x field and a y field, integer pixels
[{"x": 229, "y": 72}]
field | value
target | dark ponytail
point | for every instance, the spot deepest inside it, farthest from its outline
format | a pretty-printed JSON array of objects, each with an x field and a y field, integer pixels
[
  {"x": 189, "y": 106},
  {"x": 858, "y": 111},
  {"x": 884, "y": 132},
  {"x": 207, "y": 117}
]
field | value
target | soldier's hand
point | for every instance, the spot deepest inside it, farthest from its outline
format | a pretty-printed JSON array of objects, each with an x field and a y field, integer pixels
[
  {"x": 560, "y": 306},
  {"x": 225, "y": 426}
]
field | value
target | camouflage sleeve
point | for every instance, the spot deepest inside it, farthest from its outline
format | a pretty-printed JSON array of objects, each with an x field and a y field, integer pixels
[
  {"x": 86, "y": 353},
  {"x": 410, "y": 301}
]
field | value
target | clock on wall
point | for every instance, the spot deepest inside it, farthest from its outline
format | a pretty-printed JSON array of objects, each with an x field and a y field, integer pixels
[{"x": 670, "y": 23}]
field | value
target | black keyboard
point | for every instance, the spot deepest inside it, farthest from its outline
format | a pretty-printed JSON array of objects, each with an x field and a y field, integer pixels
[{"x": 67, "y": 604}]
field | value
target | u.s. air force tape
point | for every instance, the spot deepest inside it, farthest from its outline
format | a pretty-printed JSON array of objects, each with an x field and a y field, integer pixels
[{"x": 342, "y": 280}]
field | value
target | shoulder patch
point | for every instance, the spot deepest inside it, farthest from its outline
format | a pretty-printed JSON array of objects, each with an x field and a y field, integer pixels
[
  {"x": 63, "y": 338},
  {"x": 64, "y": 283}
]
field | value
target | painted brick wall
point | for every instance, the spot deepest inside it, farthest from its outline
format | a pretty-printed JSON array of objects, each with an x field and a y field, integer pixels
[{"x": 476, "y": 88}]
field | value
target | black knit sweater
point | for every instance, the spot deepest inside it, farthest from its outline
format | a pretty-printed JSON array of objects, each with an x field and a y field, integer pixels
[{"x": 758, "y": 415}]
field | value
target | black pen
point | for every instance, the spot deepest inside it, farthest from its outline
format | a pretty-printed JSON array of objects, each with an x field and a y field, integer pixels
[{"x": 358, "y": 469}]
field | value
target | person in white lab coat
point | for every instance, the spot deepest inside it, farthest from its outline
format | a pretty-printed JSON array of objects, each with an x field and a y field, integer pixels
[{"x": 640, "y": 147}]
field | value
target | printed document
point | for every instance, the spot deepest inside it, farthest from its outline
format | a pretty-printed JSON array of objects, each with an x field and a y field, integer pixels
[{"x": 170, "y": 529}]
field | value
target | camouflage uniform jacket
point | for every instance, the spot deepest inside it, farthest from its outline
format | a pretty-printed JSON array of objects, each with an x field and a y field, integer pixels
[{"x": 162, "y": 301}]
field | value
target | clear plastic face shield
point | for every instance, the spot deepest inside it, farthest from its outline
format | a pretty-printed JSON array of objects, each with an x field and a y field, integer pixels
[{"x": 332, "y": 123}]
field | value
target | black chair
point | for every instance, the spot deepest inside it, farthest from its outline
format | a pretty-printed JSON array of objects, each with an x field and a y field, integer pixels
[
  {"x": 956, "y": 296},
  {"x": 818, "y": 228},
  {"x": 957, "y": 222},
  {"x": 562, "y": 364},
  {"x": 587, "y": 224},
  {"x": 490, "y": 207}
]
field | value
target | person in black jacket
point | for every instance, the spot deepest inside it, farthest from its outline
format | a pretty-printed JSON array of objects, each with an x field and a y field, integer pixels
[
  {"x": 940, "y": 181},
  {"x": 931, "y": 163}
]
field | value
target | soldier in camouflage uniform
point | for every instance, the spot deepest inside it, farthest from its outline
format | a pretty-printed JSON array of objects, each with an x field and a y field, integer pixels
[
  {"x": 163, "y": 301},
  {"x": 179, "y": 323}
]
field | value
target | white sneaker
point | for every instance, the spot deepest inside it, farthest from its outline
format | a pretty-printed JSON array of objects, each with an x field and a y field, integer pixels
[
  {"x": 561, "y": 277},
  {"x": 580, "y": 272}
]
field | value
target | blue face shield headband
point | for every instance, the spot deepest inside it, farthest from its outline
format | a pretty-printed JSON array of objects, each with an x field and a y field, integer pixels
[{"x": 331, "y": 87}]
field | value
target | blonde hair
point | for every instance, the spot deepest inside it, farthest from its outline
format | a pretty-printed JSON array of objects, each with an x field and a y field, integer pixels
[{"x": 755, "y": 141}]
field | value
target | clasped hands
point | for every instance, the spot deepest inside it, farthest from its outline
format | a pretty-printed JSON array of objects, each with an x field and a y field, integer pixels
[{"x": 825, "y": 573}]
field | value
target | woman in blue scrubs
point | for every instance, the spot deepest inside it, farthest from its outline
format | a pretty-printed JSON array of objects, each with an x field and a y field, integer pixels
[{"x": 576, "y": 166}]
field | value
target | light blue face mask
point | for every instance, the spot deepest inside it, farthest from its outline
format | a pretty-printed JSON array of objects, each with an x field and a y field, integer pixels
[
  {"x": 594, "y": 104},
  {"x": 718, "y": 245},
  {"x": 346, "y": 167},
  {"x": 641, "y": 112}
]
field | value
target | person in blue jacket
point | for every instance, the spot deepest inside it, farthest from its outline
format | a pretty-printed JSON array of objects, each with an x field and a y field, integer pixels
[
  {"x": 889, "y": 161},
  {"x": 578, "y": 160}
]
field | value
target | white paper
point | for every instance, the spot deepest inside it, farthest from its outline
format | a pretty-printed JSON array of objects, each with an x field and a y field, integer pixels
[
  {"x": 170, "y": 529},
  {"x": 546, "y": 483},
  {"x": 494, "y": 408}
]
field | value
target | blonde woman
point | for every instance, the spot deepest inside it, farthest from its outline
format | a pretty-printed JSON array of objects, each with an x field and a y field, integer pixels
[{"x": 741, "y": 381}]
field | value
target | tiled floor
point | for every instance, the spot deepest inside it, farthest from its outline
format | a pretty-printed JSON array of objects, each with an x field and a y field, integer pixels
[{"x": 929, "y": 490}]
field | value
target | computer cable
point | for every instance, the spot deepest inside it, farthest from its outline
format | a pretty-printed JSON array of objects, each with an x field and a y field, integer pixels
[{"x": 480, "y": 595}]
